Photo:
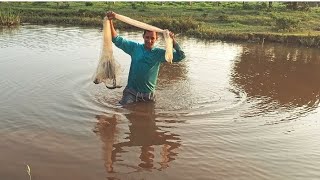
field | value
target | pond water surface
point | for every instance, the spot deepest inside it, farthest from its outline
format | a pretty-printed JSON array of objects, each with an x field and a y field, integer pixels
[{"x": 228, "y": 111}]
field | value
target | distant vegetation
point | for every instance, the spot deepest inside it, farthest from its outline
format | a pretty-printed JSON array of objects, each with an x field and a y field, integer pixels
[
  {"x": 8, "y": 17},
  {"x": 285, "y": 22}
]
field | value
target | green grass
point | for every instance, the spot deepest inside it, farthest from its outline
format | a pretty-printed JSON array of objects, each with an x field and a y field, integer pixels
[
  {"x": 249, "y": 21},
  {"x": 8, "y": 17}
]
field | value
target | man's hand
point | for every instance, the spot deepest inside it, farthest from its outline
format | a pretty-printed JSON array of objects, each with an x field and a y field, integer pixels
[
  {"x": 171, "y": 34},
  {"x": 110, "y": 15}
]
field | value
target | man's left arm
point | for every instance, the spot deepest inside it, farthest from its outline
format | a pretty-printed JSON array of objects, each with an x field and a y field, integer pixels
[{"x": 178, "y": 54}]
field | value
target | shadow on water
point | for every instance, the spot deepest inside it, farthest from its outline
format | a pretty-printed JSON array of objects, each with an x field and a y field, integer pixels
[
  {"x": 144, "y": 134},
  {"x": 279, "y": 77}
]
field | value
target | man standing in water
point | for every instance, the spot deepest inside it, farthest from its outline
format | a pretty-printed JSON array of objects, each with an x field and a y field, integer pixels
[{"x": 145, "y": 63}]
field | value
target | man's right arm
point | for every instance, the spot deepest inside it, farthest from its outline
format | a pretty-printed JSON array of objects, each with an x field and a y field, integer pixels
[
  {"x": 124, "y": 44},
  {"x": 111, "y": 15}
]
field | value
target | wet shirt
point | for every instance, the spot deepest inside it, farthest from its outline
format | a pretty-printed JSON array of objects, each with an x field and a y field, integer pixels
[{"x": 145, "y": 63}]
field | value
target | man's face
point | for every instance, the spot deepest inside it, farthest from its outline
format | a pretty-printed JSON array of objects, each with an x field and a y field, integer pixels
[{"x": 149, "y": 39}]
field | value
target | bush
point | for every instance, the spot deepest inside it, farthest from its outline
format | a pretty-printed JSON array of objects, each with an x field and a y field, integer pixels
[
  {"x": 176, "y": 25},
  {"x": 284, "y": 23},
  {"x": 223, "y": 18},
  {"x": 246, "y": 6},
  {"x": 133, "y": 6},
  {"x": 39, "y": 3},
  {"x": 301, "y": 6},
  {"x": 89, "y": 4},
  {"x": 262, "y": 5},
  {"x": 63, "y": 5},
  {"x": 9, "y": 18}
]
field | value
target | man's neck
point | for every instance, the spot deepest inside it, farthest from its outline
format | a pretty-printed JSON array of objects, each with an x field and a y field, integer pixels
[{"x": 146, "y": 48}]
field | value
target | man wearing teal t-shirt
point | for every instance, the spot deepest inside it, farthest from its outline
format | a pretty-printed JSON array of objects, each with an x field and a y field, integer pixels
[{"x": 145, "y": 63}]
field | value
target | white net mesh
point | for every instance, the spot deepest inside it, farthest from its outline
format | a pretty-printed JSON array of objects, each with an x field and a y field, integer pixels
[
  {"x": 108, "y": 70},
  {"x": 169, "y": 46}
]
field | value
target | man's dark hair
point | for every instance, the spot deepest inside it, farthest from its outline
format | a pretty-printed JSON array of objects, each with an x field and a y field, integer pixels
[{"x": 144, "y": 32}]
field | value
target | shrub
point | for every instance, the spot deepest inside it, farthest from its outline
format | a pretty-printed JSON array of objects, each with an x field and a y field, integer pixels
[
  {"x": 133, "y": 6},
  {"x": 63, "y": 5},
  {"x": 89, "y": 4},
  {"x": 176, "y": 25},
  {"x": 285, "y": 23},
  {"x": 9, "y": 18},
  {"x": 223, "y": 18}
]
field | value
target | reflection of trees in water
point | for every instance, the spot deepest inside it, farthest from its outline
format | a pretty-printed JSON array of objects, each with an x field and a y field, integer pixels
[
  {"x": 5, "y": 35},
  {"x": 9, "y": 30},
  {"x": 144, "y": 133},
  {"x": 289, "y": 76}
]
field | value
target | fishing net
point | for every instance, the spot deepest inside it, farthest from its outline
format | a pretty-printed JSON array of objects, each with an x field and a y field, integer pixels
[
  {"x": 108, "y": 70},
  {"x": 169, "y": 46}
]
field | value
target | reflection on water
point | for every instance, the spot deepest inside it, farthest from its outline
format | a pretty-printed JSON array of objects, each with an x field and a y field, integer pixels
[
  {"x": 106, "y": 129},
  {"x": 144, "y": 134},
  {"x": 279, "y": 77},
  {"x": 172, "y": 73},
  {"x": 208, "y": 121}
]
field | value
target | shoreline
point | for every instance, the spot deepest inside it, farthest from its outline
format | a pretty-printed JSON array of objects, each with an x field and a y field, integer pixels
[
  {"x": 203, "y": 20},
  {"x": 250, "y": 37}
]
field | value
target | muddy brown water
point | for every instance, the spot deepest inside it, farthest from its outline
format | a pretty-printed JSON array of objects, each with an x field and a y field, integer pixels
[{"x": 229, "y": 111}]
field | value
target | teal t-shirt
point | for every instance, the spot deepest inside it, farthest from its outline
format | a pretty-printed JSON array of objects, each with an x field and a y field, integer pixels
[{"x": 145, "y": 63}]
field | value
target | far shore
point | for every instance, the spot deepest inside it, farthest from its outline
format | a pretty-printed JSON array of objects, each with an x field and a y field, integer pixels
[{"x": 256, "y": 22}]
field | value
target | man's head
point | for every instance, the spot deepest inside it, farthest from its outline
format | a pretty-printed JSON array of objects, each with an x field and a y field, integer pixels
[{"x": 150, "y": 37}]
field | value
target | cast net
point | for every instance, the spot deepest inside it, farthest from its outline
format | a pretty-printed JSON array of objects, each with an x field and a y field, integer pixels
[{"x": 108, "y": 70}]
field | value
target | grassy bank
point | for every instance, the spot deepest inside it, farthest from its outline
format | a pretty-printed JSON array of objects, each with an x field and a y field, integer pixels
[
  {"x": 8, "y": 17},
  {"x": 254, "y": 21}
]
